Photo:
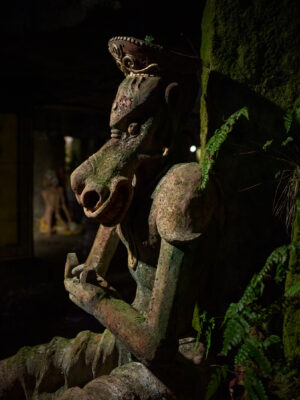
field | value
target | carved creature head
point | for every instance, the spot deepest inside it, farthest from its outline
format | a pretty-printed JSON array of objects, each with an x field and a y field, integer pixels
[{"x": 158, "y": 90}]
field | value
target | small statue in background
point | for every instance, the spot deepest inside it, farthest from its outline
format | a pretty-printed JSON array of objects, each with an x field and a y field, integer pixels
[{"x": 55, "y": 203}]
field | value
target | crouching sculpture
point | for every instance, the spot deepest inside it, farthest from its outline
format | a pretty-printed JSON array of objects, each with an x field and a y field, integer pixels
[{"x": 141, "y": 194}]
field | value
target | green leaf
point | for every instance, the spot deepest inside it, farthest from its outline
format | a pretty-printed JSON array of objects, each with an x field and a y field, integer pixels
[
  {"x": 210, "y": 328},
  {"x": 267, "y": 144},
  {"x": 287, "y": 140},
  {"x": 198, "y": 320},
  {"x": 149, "y": 39},
  {"x": 287, "y": 120}
]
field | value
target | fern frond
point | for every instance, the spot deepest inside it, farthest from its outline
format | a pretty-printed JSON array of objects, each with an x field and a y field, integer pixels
[
  {"x": 270, "y": 340},
  {"x": 216, "y": 379},
  {"x": 210, "y": 328},
  {"x": 254, "y": 386},
  {"x": 242, "y": 357},
  {"x": 282, "y": 267},
  {"x": 231, "y": 312},
  {"x": 287, "y": 120},
  {"x": 256, "y": 286},
  {"x": 234, "y": 333},
  {"x": 238, "y": 314},
  {"x": 250, "y": 394},
  {"x": 295, "y": 289},
  {"x": 214, "y": 144},
  {"x": 254, "y": 349}
]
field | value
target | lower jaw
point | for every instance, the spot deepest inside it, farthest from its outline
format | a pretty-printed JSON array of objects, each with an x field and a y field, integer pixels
[
  {"x": 109, "y": 221},
  {"x": 110, "y": 217}
]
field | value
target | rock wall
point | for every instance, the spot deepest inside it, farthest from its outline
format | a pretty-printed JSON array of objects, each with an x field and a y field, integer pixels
[{"x": 250, "y": 53}]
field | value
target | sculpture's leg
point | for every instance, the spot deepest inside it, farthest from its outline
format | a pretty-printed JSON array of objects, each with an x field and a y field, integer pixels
[
  {"x": 131, "y": 381},
  {"x": 56, "y": 366},
  {"x": 48, "y": 219}
]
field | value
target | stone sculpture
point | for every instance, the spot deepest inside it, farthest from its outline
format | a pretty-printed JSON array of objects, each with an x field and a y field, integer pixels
[
  {"x": 55, "y": 204},
  {"x": 141, "y": 193}
]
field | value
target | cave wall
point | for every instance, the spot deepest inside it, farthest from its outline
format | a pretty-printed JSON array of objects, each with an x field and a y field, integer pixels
[{"x": 250, "y": 53}]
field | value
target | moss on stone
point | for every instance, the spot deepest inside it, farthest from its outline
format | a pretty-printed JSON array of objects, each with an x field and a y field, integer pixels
[
  {"x": 291, "y": 326},
  {"x": 206, "y": 55},
  {"x": 254, "y": 47},
  {"x": 126, "y": 310}
]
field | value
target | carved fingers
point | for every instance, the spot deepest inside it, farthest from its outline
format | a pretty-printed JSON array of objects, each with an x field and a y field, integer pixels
[
  {"x": 71, "y": 263},
  {"x": 85, "y": 286}
]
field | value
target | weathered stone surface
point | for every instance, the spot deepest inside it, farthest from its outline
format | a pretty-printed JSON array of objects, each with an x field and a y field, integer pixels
[
  {"x": 142, "y": 382},
  {"x": 114, "y": 186},
  {"x": 132, "y": 381},
  {"x": 180, "y": 212},
  {"x": 245, "y": 48},
  {"x": 75, "y": 393},
  {"x": 109, "y": 387},
  {"x": 45, "y": 371},
  {"x": 161, "y": 231},
  {"x": 255, "y": 43},
  {"x": 189, "y": 351}
]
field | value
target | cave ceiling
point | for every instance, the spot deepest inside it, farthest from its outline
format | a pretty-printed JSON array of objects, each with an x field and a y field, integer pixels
[{"x": 54, "y": 52}]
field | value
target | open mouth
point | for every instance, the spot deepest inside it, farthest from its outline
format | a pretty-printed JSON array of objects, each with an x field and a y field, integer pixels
[{"x": 112, "y": 211}]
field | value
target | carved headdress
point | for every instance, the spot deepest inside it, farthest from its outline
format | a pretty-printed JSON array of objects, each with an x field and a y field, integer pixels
[{"x": 138, "y": 57}]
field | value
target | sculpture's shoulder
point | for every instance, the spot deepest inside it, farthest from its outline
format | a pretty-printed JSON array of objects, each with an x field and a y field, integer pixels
[{"x": 180, "y": 211}]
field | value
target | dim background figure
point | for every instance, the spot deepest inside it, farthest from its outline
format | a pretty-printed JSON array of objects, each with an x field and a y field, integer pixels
[{"x": 57, "y": 218}]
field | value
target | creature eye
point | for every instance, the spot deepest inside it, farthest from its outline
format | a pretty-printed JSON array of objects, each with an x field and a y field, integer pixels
[{"x": 133, "y": 129}]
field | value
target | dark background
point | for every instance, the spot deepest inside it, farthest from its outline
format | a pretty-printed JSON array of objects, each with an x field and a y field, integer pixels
[{"x": 58, "y": 78}]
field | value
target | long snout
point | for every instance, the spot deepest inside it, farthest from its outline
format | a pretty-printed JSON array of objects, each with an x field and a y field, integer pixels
[
  {"x": 91, "y": 196},
  {"x": 107, "y": 201}
]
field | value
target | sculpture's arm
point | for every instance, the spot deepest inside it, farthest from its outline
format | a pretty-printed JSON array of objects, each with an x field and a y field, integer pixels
[
  {"x": 166, "y": 278},
  {"x": 101, "y": 253},
  {"x": 140, "y": 335},
  {"x": 103, "y": 249}
]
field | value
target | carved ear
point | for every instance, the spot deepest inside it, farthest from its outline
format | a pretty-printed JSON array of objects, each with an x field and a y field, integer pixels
[{"x": 172, "y": 94}]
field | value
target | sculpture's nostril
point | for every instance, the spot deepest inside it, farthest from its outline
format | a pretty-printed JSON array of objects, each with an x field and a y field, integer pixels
[
  {"x": 93, "y": 198},
  {"x": 90, "y": 199}
]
